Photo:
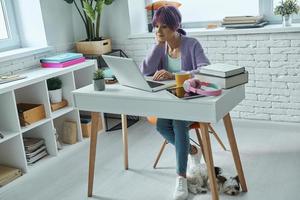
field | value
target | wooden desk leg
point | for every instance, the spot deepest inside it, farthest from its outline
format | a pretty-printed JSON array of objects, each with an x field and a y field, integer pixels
[
  {"x": 93, "y": 146},
  {"x": 235, "y": 151},
  {"x": 209, "y": 160},
  {"x": 125, "y": 140}
]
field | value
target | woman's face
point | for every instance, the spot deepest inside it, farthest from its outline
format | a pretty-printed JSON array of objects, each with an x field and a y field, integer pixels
[{"x": 164, "y": 33}]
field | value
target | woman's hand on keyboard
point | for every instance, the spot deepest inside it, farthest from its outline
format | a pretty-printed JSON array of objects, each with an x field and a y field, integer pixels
[{"x": 162, "y": 75}]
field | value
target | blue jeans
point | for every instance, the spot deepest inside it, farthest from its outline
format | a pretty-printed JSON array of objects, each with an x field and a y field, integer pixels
[{"x": 176, "y": 132}]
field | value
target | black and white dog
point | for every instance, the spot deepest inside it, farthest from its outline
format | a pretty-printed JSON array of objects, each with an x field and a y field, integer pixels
[{"x": 198, "y": 181}]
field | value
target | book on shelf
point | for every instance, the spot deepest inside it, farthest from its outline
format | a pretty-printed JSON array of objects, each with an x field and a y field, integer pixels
[
  {"x": 241, "y": 22},
  {"x": 225, "y": 83},
  {"x": 221, "y": 70},
  {"x": 37, "y": 157},
  {"x": 62, "y": 57},
  {"x": 32, "y": 144},
  {"x": 63, "y": 64},
  {"x": 34, "y": 153},
  {"x": 243, "y": 18},
  {"x": 8, "y": 174},
  {"x": 251, "y": 25}
]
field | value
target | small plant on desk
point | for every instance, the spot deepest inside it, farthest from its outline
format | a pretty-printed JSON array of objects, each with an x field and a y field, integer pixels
[
  {"x": 99, "y": 82},
  {"x": 54, "y": 89}
]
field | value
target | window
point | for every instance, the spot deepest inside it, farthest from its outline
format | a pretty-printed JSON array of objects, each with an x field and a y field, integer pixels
[
  {"x": 197, "y": 13},
  {"x": 9, "y": 38}
]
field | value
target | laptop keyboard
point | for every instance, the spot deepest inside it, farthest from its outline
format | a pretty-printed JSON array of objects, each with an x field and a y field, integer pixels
[{"x": 154, "y": 84}]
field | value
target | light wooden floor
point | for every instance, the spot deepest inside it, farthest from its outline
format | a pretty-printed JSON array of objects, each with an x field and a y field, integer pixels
[{"x": 270, "y": 154}]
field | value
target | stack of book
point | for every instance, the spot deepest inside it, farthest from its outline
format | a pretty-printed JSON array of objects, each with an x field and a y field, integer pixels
[
  {"x": 224, "y": 75},
  {"x": 62, "y": 60},
  {"x": 35, "y": 149},
  {"x": 244, "y": 21},
  {"x": 8, "y": 174}
]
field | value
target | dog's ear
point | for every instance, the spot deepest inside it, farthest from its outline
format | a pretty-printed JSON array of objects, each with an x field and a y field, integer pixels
[
  {"x": 221, "y": 179},
  {"x": 218, "y": 171}
]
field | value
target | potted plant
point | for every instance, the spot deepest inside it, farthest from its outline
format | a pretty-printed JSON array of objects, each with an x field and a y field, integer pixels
[
  {"x": 99, "y": 82},
  {"x": 90, "y": 13},
  {"x": 54, "y": 89},
  {"x": 286, "y": 8}
]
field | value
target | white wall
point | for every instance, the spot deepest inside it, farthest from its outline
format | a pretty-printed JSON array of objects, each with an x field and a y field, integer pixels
[{"x": 58, "y": 21}]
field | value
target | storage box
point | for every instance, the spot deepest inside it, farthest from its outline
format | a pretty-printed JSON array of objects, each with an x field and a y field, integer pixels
[
  {"x": 69, "y": 134},
  {"x": 30, "y": 113},
  {"x": 59, "y": 105},
  {"x": 86, "y": 125},
  {"x": 94, "y": 47}
]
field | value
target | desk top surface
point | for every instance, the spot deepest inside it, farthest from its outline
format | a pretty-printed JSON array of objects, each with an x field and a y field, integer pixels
[{"x": 120, "y": 99}]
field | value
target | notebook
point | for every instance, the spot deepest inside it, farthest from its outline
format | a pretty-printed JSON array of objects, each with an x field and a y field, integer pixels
[
  {"x": 62, "y": 57},
  {"x": 63, "y": 64},
  {"x": 221, "y": 70},
  {"x": 225, "y": 83}
]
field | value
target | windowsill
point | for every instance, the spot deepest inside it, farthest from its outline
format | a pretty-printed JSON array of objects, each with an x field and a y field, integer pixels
[
  {"x": 22, "y": 52},
  {"x": 272, "y": 28}
]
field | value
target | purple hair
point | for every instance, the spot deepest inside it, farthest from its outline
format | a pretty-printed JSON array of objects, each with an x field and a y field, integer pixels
[{"x": 170, "y": 16}]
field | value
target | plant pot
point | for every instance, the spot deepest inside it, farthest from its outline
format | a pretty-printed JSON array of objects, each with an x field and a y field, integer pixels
[
  {"x": 286, "y": 20},
  {"x": 99, "y": 85},
  {"x": 55, "y": 95},
  {"x": 94, "y": 47}
]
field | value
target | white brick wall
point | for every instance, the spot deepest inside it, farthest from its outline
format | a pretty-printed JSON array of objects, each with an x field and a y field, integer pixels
[{"x": 273, "y": 63}]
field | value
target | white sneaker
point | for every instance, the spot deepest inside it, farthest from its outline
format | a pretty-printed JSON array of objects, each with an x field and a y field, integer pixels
[
  {"x": 194, "y": 161},
  {"x": 181, "y": 189}
]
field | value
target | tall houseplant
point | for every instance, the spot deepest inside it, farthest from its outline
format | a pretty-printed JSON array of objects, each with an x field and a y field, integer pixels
[
  {"x": 90, "y": 14},
  {"x": 286, "y": 8}
]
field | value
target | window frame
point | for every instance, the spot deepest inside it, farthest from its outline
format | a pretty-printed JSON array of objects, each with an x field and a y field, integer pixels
[{"x": 13, "y": 40}]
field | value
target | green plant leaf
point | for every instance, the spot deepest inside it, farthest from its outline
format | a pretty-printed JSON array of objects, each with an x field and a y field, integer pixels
[
  {"x": 88, "y": 9},
  {"x": 99, "y": 6},
  {"x": 99, "y": 74}
]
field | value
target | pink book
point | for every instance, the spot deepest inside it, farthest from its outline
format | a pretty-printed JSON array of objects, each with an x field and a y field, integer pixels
[{"x": 63, "y": 64}]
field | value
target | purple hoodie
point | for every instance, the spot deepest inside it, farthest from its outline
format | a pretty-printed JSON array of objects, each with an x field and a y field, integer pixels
[{"x": 192, "y": 57}]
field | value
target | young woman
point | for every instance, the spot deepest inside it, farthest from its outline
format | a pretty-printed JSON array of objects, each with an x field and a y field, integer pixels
[{"x": 175, "y": 52}]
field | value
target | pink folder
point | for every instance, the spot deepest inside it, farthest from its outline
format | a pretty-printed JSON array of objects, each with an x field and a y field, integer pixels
[{"x": 63, "y": 64}]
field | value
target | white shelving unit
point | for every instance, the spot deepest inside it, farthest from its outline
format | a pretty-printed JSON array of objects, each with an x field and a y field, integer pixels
[{"x": 34, "y": 90}]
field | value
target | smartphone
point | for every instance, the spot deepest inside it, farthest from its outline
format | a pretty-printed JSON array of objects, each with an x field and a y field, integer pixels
[{"x": 180, "y": 93}]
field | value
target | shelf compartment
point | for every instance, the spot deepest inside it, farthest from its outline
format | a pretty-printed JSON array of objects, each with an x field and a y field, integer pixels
[
  {"x": 70, "y": 116},
  {"x": 9, "y": 120},
  {"x": 34, "y": 94},
  {"x": 68, "y": 85},
  {"x": 12, "y": 153},
  {"x": 46, "y": 132}
]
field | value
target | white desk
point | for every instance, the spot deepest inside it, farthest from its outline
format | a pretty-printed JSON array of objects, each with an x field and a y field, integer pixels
[{"x": 123, "y": 100}]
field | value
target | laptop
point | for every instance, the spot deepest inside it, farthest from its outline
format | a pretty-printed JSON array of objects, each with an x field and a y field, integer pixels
[{"x": 128, "y": 74}]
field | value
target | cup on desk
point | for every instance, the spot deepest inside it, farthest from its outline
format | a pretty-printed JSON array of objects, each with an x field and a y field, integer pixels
[{"x": 180, "y": 77}]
